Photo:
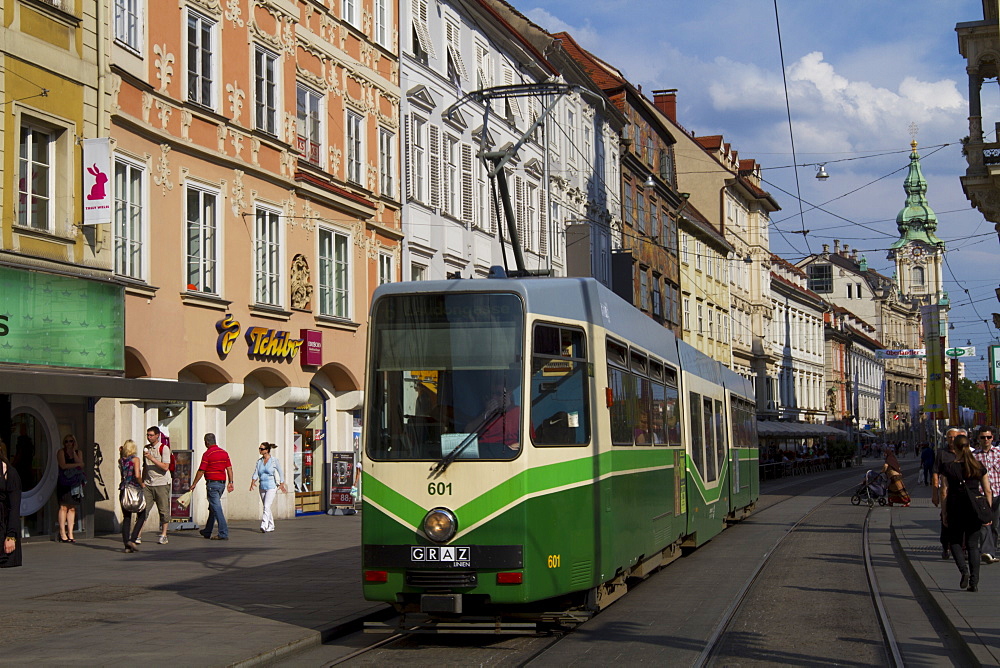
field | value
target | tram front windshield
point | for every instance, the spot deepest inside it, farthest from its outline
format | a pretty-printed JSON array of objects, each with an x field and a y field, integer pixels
[{"x": 445, "y": 377}]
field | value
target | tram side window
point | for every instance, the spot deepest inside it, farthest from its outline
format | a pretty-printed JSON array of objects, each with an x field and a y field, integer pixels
[
  {"x": 721, "y": 450},
  {"x": 672, "y": 415},
  {"x": 659, "y": 414},
  {"x": 559, "y": 380},
  {"x": 711, "y": 470},
  {"x": 697, "y": 439},
  {"x": 644, "y": 408},
  {"x": 623, "y": 405}
]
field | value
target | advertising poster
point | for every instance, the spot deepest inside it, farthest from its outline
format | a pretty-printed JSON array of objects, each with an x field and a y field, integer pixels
[
  {"x": 342, "y": 479},
  {"x": 181, "y": 483}
]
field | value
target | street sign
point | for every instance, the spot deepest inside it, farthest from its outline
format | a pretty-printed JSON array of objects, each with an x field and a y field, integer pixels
[
  {"x": 914, "y": 353},
  {"x": 961, "y": 351},
  {"x": 995, "y": 364}
]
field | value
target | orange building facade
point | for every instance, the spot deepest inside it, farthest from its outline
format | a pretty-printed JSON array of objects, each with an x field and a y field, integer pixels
[{"x": 255, "y": 170}]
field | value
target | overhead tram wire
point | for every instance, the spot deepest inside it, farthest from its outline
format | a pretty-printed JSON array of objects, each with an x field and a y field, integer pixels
[
  {"x": 791, "y": 137},
  {"x": 989, "y": 332}
]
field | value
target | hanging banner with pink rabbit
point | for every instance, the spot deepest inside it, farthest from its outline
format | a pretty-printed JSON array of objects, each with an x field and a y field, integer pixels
[{"x": 96, "y": 181}]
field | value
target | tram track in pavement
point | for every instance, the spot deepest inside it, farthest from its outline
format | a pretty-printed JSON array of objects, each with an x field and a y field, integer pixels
[{"x": 831, "y": 514}]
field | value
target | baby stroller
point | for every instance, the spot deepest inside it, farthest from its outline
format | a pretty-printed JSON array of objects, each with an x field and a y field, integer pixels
[{"x": 871, "y": 489}]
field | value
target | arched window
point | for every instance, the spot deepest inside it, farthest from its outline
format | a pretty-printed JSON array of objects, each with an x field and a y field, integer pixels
[{"x": 917, "y": 276}]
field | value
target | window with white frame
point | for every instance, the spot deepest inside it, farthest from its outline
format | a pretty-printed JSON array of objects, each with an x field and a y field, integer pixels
[
  {"x": 450, "y": 185},
  {"x": 418, "y": 272},
  {"x": 350, "y": 11},
  {"x": 533, "y": 228},
  {"x": 334, "y": 288},
  {"x": 128, "y": 23},
  {"x": 684, "y": 248},
  {"x": 386, "y": 163},
  {"x": 267, "y": 257},
  {"x": 418, "y": 159},
  {"x": 643, "y": 289},
  {"x": 483, "y": 201},
  {"x": 202, "y": 240},
  {"x": 383, "y": 29},
  {"x": 201, "y": 51},
  {"x": 309, "y": 123},
  {"x": 36, "y": 178},
  {"x": 698, "y": 252},
  {"x": 484, "y": 67},
  {"x": 385, "y": 270},
  {"x": 701, "y": 318},
  {"x": 266, "y": 91},
  {"x": 687, "y": 313},
  {"x": 355, "y": 148},
  {"x": 129, "y": 221}
]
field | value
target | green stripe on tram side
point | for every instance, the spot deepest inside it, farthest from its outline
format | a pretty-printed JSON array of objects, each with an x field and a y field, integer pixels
[{"x": 378, "y": 492}]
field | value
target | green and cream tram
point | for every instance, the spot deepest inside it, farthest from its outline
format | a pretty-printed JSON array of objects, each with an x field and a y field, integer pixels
[{"x": 532, "y": 443}]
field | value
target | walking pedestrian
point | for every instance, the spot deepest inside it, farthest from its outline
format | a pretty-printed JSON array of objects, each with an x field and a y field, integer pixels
[
  {"x": 989, "y": 457},
  {"x": 944, "y": 455},
  {"x": 10, "y": 511},
  {"x": 157, "y": 479},
  {"x": 131, "y": 472},
  {"x": 217, "y": 469},
  {"x": 268, "y": 473},
  {"x": 962, "y": 525},
  {"x": 926, "y": 463},
  {"x": 69, "y": 486},
  {"x": 895, "y": 487}
]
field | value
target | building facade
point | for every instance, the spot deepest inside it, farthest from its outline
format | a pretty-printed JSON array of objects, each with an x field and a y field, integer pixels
[
  {"x": 797, "y": 338},
  {"x": 453, "y": 224},
  {"x": 256, "y": 209}
]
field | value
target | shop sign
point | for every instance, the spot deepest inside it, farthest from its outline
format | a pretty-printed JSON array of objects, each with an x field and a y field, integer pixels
[
  {"x": 96, "y": 187},
  {"x": 262, "y": 343},
  {"x": 312, "y": 348},
  {"x": 61, "y": 321}
]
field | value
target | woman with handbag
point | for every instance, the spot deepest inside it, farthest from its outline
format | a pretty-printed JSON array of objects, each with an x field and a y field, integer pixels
[
  {"x": 268, "y": 472},
  {"x": 10, "y": 512},
  {"x": 69, "y": 487},
  {"x": 962, "y": 524},
  {"x": 131, "y": 496}
]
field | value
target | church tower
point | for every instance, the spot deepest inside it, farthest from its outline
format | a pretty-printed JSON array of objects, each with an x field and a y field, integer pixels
[{"x": 918, "y": 252}]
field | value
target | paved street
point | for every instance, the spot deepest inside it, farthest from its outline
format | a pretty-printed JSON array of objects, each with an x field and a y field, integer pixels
[{"x": 258, "y": 597}]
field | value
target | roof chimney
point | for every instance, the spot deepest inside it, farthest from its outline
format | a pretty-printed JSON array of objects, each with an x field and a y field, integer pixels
[
  {"x": 845, "y": 251},
  {"x": 836, "y": 246},
  {"x": 666, "y": 102},
  {"x": 826, "y": 249}
]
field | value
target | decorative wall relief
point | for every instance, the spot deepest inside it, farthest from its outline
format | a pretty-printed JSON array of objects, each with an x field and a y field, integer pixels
[
  {"x": 186, "y": 119},
  {"x": 147, "y": 103},
  {"x": 164, "y": 65},
  {"x": 254, "y": 150},
  {"x": 236, "y": 139},
  {"x": 238, "y": 200},
  {"x": 236, "y": 97},
  {"x": 335, "y": 155},
  {"x": 301, "y": 282},
  {"x": 163, "y": 113},
  {"x": 161, "y": 175},
  {"x": 290, "y": 128},
  {"x": 287, "y": 161},
  {"x": 234, "y": 13},
  {"x": 114, "y": 87},
  {"x": 222, "y": 132}
]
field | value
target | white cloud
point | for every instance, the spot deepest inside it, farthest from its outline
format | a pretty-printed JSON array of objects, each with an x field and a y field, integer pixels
[{"x": 585, "y": 35}]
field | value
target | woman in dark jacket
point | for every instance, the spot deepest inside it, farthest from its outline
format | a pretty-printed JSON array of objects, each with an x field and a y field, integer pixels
[
  {"x": 10, "y": 511},
  {"x": 961, "y": 523}
]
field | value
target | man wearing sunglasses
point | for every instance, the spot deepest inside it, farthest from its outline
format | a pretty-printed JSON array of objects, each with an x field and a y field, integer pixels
[{"x": 989, "y": 456}]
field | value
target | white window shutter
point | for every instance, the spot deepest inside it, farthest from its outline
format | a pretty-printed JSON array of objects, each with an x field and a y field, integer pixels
[
  {"x": 418, "y": 10},
  {"x": 508, "y": 80},
  {"x": 435, "y": 152},
  {"x": 408, "y": 143},
  {"x": 519, "y": 208},
  {"x": 543, "y": 223},
  {"x": 452, "y": 35},
  {"x": 468, "y": 183}
]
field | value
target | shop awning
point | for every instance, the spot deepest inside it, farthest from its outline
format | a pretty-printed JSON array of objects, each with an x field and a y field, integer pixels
[
  {"x": 768, "y": 429},
  {"x": 87, "y": 385}
]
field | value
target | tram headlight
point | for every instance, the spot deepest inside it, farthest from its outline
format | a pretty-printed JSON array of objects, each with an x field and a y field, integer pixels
[{"x": 440, "y": 525}]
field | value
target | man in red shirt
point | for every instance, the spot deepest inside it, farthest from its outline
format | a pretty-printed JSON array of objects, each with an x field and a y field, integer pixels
[{"x": 217, "y": 469}]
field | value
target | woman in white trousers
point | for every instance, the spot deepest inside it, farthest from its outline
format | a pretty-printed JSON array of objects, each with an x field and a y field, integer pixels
[{"x": 268, "y": 474}]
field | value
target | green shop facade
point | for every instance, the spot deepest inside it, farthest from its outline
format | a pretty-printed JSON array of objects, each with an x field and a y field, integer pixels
[{"x": 62, "y": 350}]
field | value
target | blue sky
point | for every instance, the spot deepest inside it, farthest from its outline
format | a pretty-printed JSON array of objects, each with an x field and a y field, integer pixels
[{"x": 857, "y": 77}]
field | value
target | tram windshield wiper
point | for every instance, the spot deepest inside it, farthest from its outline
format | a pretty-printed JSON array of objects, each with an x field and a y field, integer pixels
[{"x": 446, "y": 461}]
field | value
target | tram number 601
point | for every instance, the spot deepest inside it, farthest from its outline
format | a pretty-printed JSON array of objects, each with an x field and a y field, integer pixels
[
  {"x": 554, "y": 560},
  {"x": 439, "y": 488}
]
